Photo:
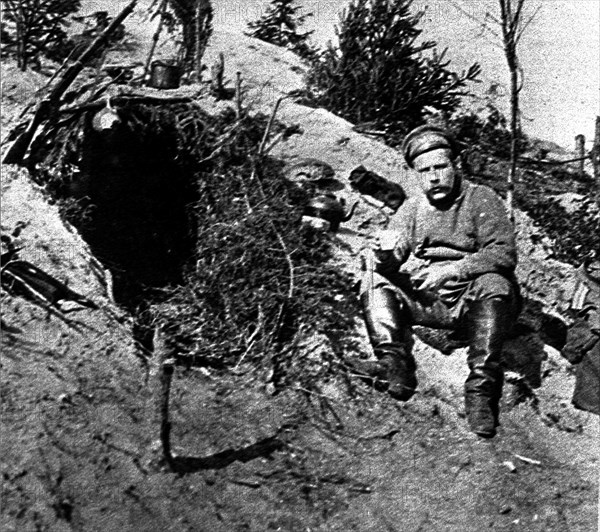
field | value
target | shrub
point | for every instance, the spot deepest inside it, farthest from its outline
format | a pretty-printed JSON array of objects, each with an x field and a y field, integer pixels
[
  {"x": 378, "y": 72},
  {"x": 34, "y": 28},
  {"x": 257, "y": 276},
  {"x": 279, "y": 26},
  {"x": 576, "y": 234}
]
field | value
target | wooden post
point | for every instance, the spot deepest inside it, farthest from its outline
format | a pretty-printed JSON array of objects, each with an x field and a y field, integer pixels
[
  {"x": 580, "y": 150},
  {"x": 238, "y": 93},
  {"x": 161, "y": 375}
]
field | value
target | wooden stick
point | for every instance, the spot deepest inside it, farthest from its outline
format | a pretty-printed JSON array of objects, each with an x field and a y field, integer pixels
[
  {"x": 268, "y": 128},
  {"x": 238, "y": 93},
  {"x": 552, "y": 163},
  {"x": 161, "y": 375}
]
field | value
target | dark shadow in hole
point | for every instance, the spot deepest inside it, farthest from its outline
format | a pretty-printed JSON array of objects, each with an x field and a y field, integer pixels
[
  {"x": 139, "y": 199},
  {"x": 262, "y": 448}
]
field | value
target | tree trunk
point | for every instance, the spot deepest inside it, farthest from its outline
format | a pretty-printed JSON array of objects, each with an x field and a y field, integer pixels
[
  {"x": 202, "y": 33},
  {"x": 596, "y": 159},
  {"x": 580, "y": 149},
  {"x": 514, "y": 134}
]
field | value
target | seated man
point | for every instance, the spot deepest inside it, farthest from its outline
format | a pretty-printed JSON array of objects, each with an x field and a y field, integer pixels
[{"x": 466, "y": 244}]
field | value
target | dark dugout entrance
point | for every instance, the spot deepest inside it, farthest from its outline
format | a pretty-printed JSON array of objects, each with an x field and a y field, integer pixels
[{"x": 139, "y": 196}]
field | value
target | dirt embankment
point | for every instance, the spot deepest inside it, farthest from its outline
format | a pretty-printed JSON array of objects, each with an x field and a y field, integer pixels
[{"x": 78, "y": 441}]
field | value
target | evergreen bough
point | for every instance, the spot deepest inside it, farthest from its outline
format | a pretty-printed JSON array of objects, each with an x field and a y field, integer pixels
[
  {"x": 280, "y": 26},
  {"x": 33, "y": 28}
]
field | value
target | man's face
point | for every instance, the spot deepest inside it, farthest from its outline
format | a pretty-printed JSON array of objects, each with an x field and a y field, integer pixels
[{"x": 437, "y": 174}]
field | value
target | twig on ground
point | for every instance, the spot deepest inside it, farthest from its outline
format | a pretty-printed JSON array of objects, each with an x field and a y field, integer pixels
[
  {"x": 263, "y": 142},
  {"x": 528, "y": 460}
]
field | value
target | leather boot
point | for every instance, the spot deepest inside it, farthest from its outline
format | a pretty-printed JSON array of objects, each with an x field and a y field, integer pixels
[
  {"x": 489, "y": 321},
  {"x": 395, "y": 364}
]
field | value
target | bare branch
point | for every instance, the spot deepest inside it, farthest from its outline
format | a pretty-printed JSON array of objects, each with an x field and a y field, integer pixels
[
  {"x": 521, "y": 77},
  {"x": 529, "y": 21},
  {"x": 483, "y": 24},
  {"x": 517, "y": 15}
]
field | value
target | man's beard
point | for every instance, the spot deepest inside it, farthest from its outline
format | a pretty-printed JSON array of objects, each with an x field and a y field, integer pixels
[{"x": 441, "y": 200}]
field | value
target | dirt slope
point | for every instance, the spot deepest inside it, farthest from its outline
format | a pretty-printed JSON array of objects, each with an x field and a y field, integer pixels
[{"x": 78, "y": 441}]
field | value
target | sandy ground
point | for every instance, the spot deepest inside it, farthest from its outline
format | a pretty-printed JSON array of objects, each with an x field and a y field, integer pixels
[{"x": 79, "y": 443}]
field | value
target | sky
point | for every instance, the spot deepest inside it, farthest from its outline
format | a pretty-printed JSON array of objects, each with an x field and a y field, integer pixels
[{"x": 559, "y": 52}]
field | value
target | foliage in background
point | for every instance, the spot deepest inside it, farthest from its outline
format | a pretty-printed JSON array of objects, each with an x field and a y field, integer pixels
[
  {"x": 486, "y": 141},
  {"x": 280, "y": 26},
  {"x": 34, "y": 28},
  {"x": 94, "y": 24},
  {"x": 575, "y": 233},
  {"x": 380, "y": 71},
  {"x": 485, "y": 130}
]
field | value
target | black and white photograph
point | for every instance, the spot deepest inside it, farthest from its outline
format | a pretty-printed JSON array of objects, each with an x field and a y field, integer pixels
[{"x": 300, "y": 265}]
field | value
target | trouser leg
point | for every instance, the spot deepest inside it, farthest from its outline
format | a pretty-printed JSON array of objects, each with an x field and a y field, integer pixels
[
  {"x": 488, "y": 321},
  {"x": 389, "y": 333}
]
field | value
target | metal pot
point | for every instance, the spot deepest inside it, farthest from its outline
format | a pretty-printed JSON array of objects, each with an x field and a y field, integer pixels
[
  {"x": 329, "y": 208},
  {"x": 164, "y": 75}
]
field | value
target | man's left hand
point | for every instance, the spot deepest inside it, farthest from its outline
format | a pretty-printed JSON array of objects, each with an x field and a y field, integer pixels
[{"x": 435, "y": 276}]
